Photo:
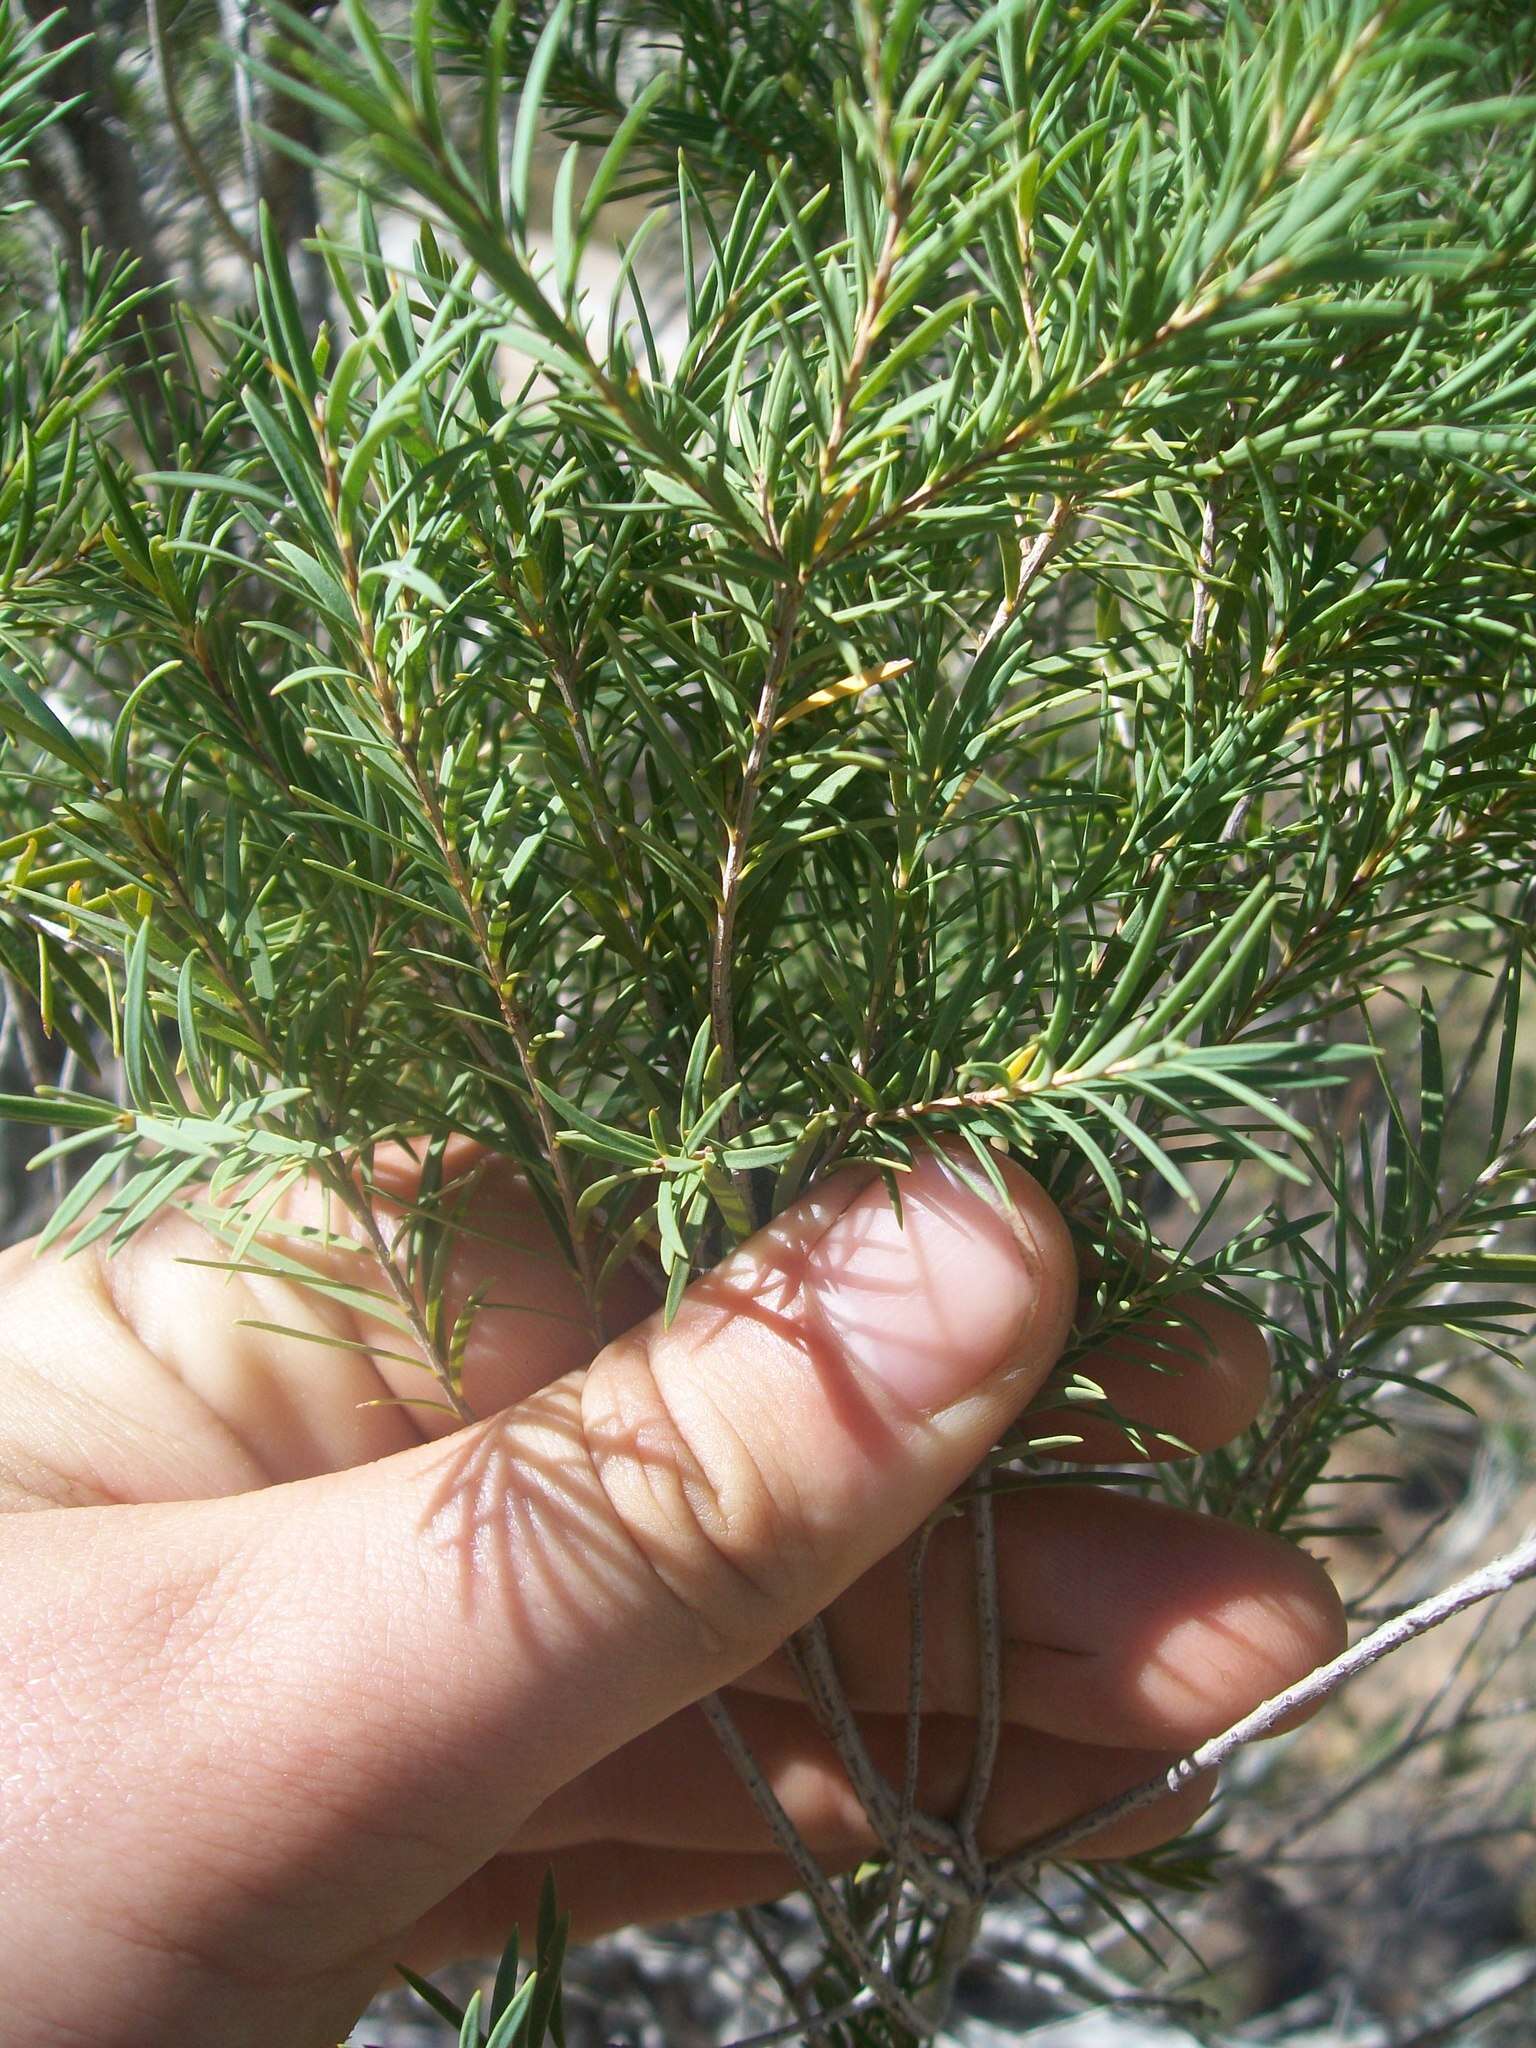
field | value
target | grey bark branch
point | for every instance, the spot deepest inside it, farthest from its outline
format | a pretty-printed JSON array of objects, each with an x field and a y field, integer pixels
[
  {"x": 917, "y": 1562},
  {"x": 1512, "y": 1569},
  {"x": 795, "y": 2030},
  {"x": 811, "y": 1654},
  {"x": 989, "y": 1685},
  {"x": 818, "y": 1886},
  {"x": 1371, "y": 1773}
]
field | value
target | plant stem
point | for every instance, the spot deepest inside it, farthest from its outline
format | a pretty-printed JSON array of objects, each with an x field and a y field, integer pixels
[
  {"x": 829, "y": 1906},
  {"x": 428, "y": 796},
  {"x": 722, "y": 955},
  {"x": 989, "y": 1681},
  {"x": 1505, "y": 1572}
]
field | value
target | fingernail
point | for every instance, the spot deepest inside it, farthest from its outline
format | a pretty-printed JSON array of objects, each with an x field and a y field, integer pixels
[{"x": 960, "y": 1285}]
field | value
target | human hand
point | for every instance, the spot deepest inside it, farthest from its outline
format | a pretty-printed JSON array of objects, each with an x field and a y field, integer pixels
[{"x": 297, "y": 1688}]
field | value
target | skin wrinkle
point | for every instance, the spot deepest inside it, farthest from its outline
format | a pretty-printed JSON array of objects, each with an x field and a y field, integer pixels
[
  {"x": 68, "y": 1803},
  {"x": 216, "y": 1788},
  {"x": 367, "y": 1822},
  {"x": 42, "y": 1482},
  {"x": 125, "y": 1281},
  {"x": 622, "y": 1444},
  {"x": 129, "y": 1620},
  {"x": 127, "y": 1429}
]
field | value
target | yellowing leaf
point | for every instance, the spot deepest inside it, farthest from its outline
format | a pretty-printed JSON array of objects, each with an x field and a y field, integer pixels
[
  {"x": 1021, "y": 1062},
  {"x": 845, "y": 686}
]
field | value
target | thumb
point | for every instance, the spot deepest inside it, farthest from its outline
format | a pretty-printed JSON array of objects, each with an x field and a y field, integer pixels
[
  {"x": 413, "y": 1654},
  {"x": 639, "y": 1533}
]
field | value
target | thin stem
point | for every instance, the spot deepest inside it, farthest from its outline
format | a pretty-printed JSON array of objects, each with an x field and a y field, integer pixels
[
  {"x": 332, "y": 1171},
  {"x": 722, "y": 954},
  {"x": 1448, "y": 2025},
  {"x": 1202, "y": 302},
  {"x": 793, "y": 1994},
  {"x": 1044, "y": 548},
  {"x": 1505, "y": 1572},
  {"x": 898, "y": 204},
  {"x": 192, "y": 156},
  {"x": 989, "y": 1682},
  {"x": 819, "y": 1888},
  {"x": 1416, "y": 1848},
  {"x": 235, "y": 26},
  {"x": 1417, "y": 1735},
  {"x": 906, "y": 1812},
  {"x": 1493, "y": 1009},
  {"x": 360, "y": 1207},
  {"x": 20, "y": 1019},
  {"x": 513, "y": 1017},
  {"x": 1431, "y": 1529},
  {"x": 1046, "y": 544},
  {"x": 796, "y": 2030},
  {"x": 811, "y": 1653},
  {"x": 864, "y": 337},
  {"x": 565, "y": 664},
  {"x": 961, "y": 1924},
  {"x": 1200, "y": 611}
]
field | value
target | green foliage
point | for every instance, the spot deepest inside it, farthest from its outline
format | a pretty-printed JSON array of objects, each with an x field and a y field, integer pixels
[
  {"x": 524, "y": 2014},
  {"x": 1018, "y": 623},
  {"x": 24, "y": 64}
]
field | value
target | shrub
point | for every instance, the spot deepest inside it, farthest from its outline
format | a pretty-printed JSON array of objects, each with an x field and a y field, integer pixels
[{"x": 1016, "y": 623}]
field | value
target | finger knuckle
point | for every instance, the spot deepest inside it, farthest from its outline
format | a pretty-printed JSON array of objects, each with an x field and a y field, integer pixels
[{"x": 697, "y": 1504}]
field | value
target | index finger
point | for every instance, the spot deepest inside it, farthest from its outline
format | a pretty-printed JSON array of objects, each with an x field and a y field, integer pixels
[{"x": 1191, "y": 1376}]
